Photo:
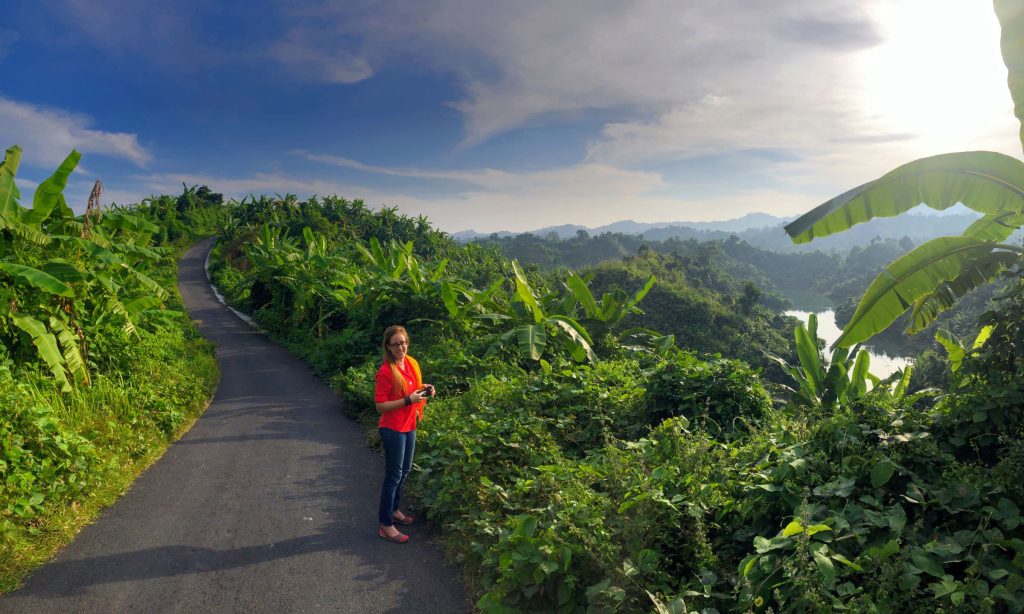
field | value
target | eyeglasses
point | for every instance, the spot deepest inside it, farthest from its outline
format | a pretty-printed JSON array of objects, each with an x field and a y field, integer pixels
[{"x": 400, "y": 344}]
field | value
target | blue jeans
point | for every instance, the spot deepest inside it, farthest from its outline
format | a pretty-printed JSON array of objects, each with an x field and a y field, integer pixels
[{"x": 398, "y": 450}]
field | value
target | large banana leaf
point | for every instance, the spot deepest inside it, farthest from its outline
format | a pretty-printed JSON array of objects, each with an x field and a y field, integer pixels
[
  {"x": 1011, "y": 20},
  {"x": 974, "y": 274},
  {"x": 807, "y": 352},
  {"x": 149, "y": 284},
  {"x": 908, "y": 278},
  {"x": 988, "y": 182},
  {"x": 996, "y": 227},
  {"x": 132, "y": 223},
  {"x": 50, "y": 192},
  {"x": 9, "y": 194},
  {"x": 39, "y": 279},
  {"x": 449, "y": 298},
  {"x": 525, "y": 293},
  {"x": 117, "y": 307},
  {"x": 439, "y": 270},
  {"x": 46, "y": 345},
  {"x": 583, "y": 295},
  {"x": 11, "y": 212},
  {"x": 859, "y": 375},
  {"x": 139, "y": 304},
  {"x": 640, "y": 293},
  {"x": 580, "y": 344},
  {"x": 69, "y": 343},
  {"x": 532, "y": 340},
  {"x": 64, "y": 271}
]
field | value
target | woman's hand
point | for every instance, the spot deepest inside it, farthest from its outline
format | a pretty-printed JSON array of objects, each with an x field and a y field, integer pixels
[{"x": 424, "y": 393}]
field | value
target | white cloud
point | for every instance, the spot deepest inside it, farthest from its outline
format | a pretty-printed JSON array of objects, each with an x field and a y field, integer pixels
[
  {"x": 482, "y": 177},
  {"x": 676, "y": 80},
  {"x": 321, "y": 62},
  {"x": 47, "y": 135},
  {"x": 525, "y": 61},
  {"x": 845, "y": 118}
]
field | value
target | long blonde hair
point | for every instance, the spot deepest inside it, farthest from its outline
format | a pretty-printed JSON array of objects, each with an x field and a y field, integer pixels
[{"x": 399, "y": 381}]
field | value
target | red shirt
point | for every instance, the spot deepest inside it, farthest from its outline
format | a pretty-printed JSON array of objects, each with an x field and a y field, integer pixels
[{"x": 402, "y": 419}]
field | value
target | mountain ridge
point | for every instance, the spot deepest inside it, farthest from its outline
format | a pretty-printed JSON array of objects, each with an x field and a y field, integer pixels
[{"x": 565, "y": 231}]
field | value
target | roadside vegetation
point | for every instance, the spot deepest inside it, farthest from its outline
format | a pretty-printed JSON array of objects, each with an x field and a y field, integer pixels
[{"x": 99, "y": 367}]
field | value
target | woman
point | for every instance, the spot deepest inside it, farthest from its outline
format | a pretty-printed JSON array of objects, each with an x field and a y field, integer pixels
[{"x": 400, "y": 395}]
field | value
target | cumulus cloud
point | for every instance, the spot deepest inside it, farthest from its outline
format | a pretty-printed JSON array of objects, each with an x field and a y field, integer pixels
[{"x": 47, "y": 135}]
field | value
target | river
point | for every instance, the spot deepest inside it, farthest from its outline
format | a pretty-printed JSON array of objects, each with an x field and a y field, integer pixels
[{"x": 881, "y": 365}]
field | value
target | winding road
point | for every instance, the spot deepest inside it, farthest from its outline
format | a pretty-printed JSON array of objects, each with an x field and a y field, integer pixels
[{"x": 268, "y": 504}]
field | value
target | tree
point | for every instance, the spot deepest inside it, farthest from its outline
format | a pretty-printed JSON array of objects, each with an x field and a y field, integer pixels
[{"x": 930, "y": 278}]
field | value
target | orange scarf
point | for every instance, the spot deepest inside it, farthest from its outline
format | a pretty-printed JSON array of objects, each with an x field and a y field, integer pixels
[{"x": 399, "y": 380}]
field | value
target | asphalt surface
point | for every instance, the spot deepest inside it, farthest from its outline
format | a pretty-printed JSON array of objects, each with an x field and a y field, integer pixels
[{"x": 268, "y": 504}]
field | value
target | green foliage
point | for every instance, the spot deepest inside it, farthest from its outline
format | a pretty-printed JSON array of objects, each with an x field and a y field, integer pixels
[
  {"x": 724, "y": 396},
  {"x": 62, "y": 451},
  {"x": 42, "y": 460},
  {"x": 957, "y": 350},
  {"x": 681, "y": 305},
  {"x": 930, "y": 277},
  {"x": 532, "y": 318}
]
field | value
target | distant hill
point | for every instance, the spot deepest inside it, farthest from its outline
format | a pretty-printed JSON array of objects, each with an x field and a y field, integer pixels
[
  {"x": 629, "y": 227},
  {"x": 765, "y": 231}
]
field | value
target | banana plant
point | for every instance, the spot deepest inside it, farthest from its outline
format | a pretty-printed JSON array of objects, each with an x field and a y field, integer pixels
[
  {"x": 317, "y": 280},
  {"x": 932, "y": 277},
  {"x": 601, "y": 317},
  {"x": 59, "y": 284},
  {"x": 533, "y": 318},
  {"x": 19, "y": 225},
  {"x": 396, "y": 271},
  {"x": 828, "y": 383}
]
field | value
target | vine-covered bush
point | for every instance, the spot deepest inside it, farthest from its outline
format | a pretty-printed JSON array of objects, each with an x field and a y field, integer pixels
[
  {"x": 41, "y": 459},
  {"x": 724, "y": 395}
]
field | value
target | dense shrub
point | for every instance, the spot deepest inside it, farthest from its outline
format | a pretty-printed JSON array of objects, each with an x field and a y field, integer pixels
[
  {"x": 725, "y": 396},
  {"x": 42, "y": 459}
]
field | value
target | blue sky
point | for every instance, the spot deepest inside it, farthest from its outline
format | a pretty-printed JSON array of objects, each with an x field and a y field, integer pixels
[{"x": 501, "y": 116}]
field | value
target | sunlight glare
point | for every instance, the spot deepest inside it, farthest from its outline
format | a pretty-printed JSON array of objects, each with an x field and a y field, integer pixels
[{"x": 938, "y": 76}]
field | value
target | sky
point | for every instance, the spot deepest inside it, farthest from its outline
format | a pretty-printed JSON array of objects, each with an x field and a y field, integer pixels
[{"x": 501, "y": 115}]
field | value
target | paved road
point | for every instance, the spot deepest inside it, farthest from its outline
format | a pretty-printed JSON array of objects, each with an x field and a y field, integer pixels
[{"x": 268, "y": 504}]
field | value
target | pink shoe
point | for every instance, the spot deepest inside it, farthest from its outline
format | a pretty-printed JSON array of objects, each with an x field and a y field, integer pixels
[{"x": 401, "y": 538}]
